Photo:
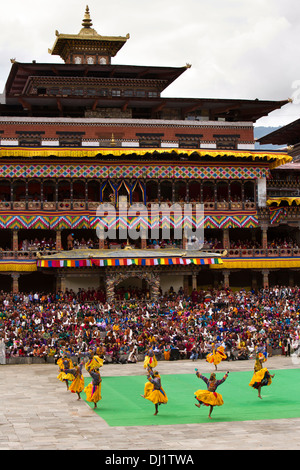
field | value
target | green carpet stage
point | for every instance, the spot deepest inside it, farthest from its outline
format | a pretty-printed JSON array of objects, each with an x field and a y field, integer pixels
[{"x": 122, "y": 404}]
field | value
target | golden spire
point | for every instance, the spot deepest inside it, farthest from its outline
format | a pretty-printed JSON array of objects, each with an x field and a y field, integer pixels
[
  {"x": 87, "y": 22},
  {"x": 112, "y": 141}
]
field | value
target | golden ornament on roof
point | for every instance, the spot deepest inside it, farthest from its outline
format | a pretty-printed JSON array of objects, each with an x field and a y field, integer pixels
[{"x": 87, "y": 22}]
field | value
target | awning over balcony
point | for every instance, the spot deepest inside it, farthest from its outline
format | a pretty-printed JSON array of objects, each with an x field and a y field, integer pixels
[
  {"x": 128, "y": 257},
  {"x": 18, "y": 265},
  {"x": 274, "y": 159},
  {"x": 278, "y": 200},
  {"x": 214, "y": 262},
  {"x": 259, "y": 263}
]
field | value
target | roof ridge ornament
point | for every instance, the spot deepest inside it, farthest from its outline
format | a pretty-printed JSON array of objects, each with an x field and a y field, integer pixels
[
  {"x": 87, "y": 22},
  {"x": 87, "y": 44}
]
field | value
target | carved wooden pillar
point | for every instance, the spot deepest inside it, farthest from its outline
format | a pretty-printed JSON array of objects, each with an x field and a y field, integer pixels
[
  {"x": 60, "y": 282},
  {"x": 63, "y": 283},
  {"x": 155, "y": 285},
  {"x": 15, "y": 282},
  {"x": 58, "y": 240},
  {"x": 194, "y": 281},
  {"x": 264, "y": 237},
  {"x": 265, "y": 273},
  {"x": 226, "y": 240},
  {"x": 110, "y": 287},
  {"x": 15, "y": 243},
  {"x": 226, "y": 274}
]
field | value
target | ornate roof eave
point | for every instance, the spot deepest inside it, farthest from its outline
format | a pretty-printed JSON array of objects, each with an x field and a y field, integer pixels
[
  {"x": 273, "y": 159},
  {"x": 285, "y": 135},
  {"x": 20, "y": 72},
  {"x": 115, "y": 42}
]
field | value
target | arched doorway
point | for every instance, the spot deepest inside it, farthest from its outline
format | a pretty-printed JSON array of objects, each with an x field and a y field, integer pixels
[{"x": 114, "y": 278}]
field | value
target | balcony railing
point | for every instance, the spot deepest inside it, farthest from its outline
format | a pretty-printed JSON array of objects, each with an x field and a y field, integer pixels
[
  {"x": 262, "y": 252},
  {"x": 256, "y": 252},
  {"x": 283, "y": 184},
  {"x": 81, "y": 204},
  {"x": 24, "y": 254}
]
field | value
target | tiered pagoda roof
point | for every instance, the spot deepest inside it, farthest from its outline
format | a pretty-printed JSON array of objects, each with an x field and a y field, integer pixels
[
  {"x": 20, "y": 99},
  {"x": 87, "y": 80}
]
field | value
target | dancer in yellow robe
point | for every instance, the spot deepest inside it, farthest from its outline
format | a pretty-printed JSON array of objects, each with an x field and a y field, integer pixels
[
  {"x": 261, "y": 377},
  {"x": 150, "y": 360},
  {"x": 148, "y": 388},
  {"x": 65, "y": 363},
  {"x": 210, "y": 397},
  {"x": 77, "y": 384},
  {"x": 216, "y": 356},
  {"x": 95, "y": 362},
  {"x": 93, "y": 389},
  {"x": 153, "y": 390}
]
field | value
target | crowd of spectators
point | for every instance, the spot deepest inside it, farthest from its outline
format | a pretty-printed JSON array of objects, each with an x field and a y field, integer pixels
[
  {"x": 84, "y": 244},
  {"x": 282, "y": 243},
  {"x": 163, "y": 243},
  {"x": 175, "y": 326},
  {"x": 275, "y": 244},
  {"x": 45, "y": 244},
  {"x": 244, "y": 244}
]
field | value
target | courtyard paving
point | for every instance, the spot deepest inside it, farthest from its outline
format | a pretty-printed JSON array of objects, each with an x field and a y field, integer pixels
[{"x": 38, "y": 413}]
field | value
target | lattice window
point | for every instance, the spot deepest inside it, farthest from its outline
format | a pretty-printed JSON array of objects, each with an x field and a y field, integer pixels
[
  {"x": 149, "y": 140},
  {"x": 70, "y": 139},
  {"x": 30, "y": 138},
  {"x": 226, "y": 141},
  {"x": 191, "y": 141}
]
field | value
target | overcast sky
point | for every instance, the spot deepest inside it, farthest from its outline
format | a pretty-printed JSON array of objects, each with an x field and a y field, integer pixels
[{"x": 243, "y": 49}]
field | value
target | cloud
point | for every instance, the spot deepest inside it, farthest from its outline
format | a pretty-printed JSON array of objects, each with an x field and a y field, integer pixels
[{"x": 237, "y": 48}]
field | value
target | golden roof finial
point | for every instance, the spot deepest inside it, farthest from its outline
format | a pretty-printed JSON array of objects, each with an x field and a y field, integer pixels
[
  {"x": 87, "y": 22},
  {"x": 112, "y": 141}
]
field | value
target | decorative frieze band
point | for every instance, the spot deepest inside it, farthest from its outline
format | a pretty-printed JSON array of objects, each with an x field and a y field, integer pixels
[{"x": 128, "y": 170}]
